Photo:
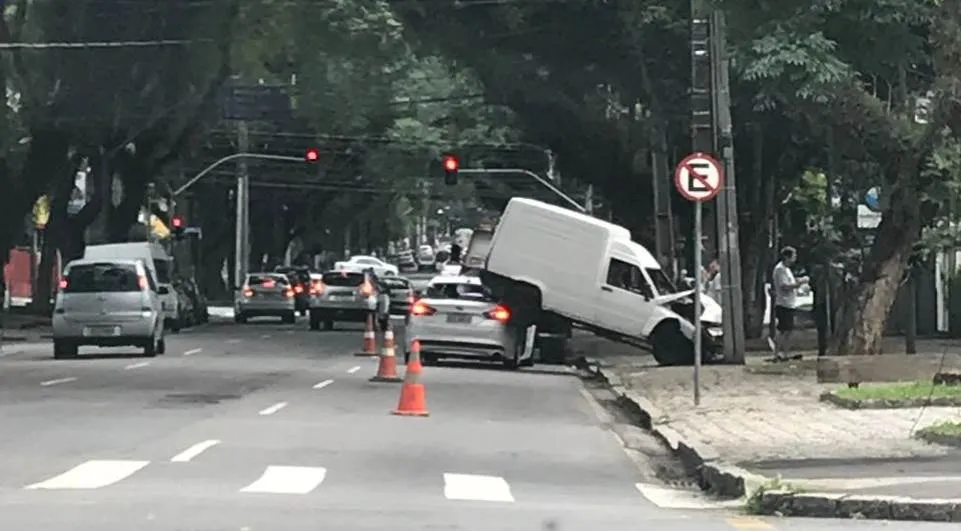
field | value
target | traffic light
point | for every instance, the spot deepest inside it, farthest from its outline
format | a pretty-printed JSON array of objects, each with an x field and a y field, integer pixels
[
  {"x": 451, "y": 166},
  {"x": 312, "y": 155},
  {"x": 177, "y": 226}
]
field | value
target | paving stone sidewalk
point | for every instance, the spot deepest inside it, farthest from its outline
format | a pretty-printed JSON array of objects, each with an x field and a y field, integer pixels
[{"x": 765, "y": 412}]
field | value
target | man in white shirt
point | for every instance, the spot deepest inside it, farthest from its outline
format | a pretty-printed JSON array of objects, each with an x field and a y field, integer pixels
[{"x": 784, "y": 291}]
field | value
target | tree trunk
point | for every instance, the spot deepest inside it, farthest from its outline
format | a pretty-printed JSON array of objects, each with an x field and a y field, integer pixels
[{"x": 862, "y": 324}]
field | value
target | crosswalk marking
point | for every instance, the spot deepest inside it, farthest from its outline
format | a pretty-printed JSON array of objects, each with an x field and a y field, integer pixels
[
  {"x": 91, "y": 475},
  {"x": 476, "y": 488},
  {"x": 288, "y": 480}
]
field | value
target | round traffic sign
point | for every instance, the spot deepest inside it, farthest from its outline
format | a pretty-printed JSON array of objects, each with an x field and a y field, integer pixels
[{"x": 699, "y": 177}]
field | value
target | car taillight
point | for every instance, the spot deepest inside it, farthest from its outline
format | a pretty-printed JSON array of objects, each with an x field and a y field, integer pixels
[
  {"x": 366, "y": 289},
  {"x": 420, "y": 309},
  {"x": 298, "y": 289},
  {"x": 248, "y": 292},
  {"x": 499, "y": 313},
  {"x": 62, "y": 285},
  {"x": 316, "y": 288},
  {"x": 142, "y": 282},
  {"x": 289, "y": 293}
]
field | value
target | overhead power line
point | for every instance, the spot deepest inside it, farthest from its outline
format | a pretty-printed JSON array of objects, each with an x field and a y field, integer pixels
[{"x": 93, "y": 45}]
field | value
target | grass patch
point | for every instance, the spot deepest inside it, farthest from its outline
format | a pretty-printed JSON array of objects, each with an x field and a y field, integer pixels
[
  {"x": 754, "y": 502},
  {"x": 899, "y": 391},
  {"x": 946, "y": 428}
]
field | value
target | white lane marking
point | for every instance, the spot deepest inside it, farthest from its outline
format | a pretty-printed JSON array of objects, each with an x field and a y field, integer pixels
[
  {"x": 274, "y": 408},
  {"x": 91, "y": 475},
  {"x": 194, "y": 451},
  {"x": 323, "y": 384},
  {"x": 193, "y": 351},
  {"x": 352, "y": 370},
  {"x": 48, "y": 383},
  {"x": 476, "y": 488},
  {"x": 289, "y": 332},
  {"x": 137, "y": 365},
  {"x": 288, "y": 480},
  {"x": 265, "y": 336},
  {"x": 233, "y": 341}
]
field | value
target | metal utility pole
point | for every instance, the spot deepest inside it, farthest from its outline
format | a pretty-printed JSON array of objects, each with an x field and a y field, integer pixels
[
  {"x": 732, "y": 298},
  {"x": 702, "y": 103},
  {"x": 242, "y": 228}
]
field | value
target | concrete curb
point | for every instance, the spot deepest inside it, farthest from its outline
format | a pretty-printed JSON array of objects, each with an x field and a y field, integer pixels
[
  {"x": 731, "y": 481},
  {"x": 847, "y": 403},
  {"x": 832, "y": 505}
]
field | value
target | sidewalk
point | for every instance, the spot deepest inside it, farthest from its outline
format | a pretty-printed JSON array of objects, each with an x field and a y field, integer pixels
[
  {"x": 763, "y": 420},
  {"x": 19, "y": 328}
]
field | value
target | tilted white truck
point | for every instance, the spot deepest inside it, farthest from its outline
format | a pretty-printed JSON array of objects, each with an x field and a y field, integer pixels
[{"x": 555, "y": 267}]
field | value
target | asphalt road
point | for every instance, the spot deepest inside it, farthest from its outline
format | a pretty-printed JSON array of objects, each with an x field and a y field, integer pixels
[{"x": 272, "y": 427}]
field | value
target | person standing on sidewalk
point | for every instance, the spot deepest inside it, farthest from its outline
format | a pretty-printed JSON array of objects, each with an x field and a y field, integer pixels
[{"x": 784, "y": 301}]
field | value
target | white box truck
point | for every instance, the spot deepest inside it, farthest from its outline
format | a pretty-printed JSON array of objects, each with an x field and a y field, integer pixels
[{"x": 555, "y": 267}]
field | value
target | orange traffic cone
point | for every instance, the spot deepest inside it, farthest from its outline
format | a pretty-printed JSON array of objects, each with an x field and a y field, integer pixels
[
  {"x": 387, "y": 370},
  {"x": 370, "y": 338},
  {"x": 413, "y": 396}
]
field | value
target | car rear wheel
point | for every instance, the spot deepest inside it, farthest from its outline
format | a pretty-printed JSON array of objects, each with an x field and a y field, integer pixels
[
  {"x": 150, "y": 348},
  {"x": 162, "y": 346},
  {"x": 328, "y": 325},
  {"x": 289, "y": 318},
  {"x": 314, "y": 321},
  {"x": 240, "y": 318}
]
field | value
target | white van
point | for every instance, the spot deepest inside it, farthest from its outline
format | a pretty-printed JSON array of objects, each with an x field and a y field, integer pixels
[
  {"x": 560, "y": 267},
  {"x": 157, "y": 261}
]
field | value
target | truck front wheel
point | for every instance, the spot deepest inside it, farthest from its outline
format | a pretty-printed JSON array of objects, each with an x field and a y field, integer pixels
[{"x": 670, "y": 346}]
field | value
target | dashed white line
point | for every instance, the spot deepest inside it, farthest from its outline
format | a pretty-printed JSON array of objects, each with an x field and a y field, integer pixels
[
  {"x": 91, "y": 475},
  {"x": 265, "y": 336},
  {"x": 193, "y": 351},
  {"x": 194, "y": 451},
  {"x": 352, "y": 370},
  {"x": 136, "y": 365},
  {"x": 48, "y": 383},
  {"x": 233, "y": 341},
  {"x": 274, "y": 408},
  {"x": 323, "y": 384}
]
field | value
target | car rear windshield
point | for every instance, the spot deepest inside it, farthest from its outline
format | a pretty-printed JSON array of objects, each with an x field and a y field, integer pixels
[
  {"x": 260, "y": 280},
  {"x": 100, "y": 278},
  {"x": 459, "y": 290},
  {"x": 296, "y": 275},
  {"x": 343, "y": 279}
]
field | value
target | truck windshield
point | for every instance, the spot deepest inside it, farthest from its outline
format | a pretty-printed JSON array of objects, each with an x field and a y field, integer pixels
[{"x": 662, "y": 284}]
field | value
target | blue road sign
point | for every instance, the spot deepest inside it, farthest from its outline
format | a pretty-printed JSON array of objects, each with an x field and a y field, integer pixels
[
  {"x": 255, "y": 102},
  {"x": 872, "y": 199}
]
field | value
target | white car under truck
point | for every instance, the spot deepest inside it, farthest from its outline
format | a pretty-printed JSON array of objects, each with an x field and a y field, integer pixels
[{"x": 556, "y": 268}]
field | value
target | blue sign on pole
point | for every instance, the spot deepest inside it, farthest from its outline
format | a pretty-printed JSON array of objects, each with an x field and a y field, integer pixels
[
  {"x": 872, "y": 199},
  {"x": 255, "y": 102}
]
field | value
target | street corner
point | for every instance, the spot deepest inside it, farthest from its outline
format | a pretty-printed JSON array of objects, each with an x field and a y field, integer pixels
[
  {"x": 699, "y": 458},
  {"x": 787, "y": 502}
]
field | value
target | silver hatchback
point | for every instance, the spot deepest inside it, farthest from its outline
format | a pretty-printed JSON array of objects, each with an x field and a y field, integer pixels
[
  {"x": 107, "y": 303},
  {"x": 266, "y": 295}
]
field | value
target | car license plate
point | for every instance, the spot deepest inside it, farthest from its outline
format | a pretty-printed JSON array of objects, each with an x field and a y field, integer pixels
[
  {"x": 101, "y": 331},
  {"x": 458, "y": 319}
]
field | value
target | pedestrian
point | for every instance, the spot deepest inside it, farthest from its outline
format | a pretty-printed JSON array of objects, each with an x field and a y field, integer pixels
[{"x": 784, "y": 299}]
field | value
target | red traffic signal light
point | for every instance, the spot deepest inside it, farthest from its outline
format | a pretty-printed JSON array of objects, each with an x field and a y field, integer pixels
[
  {"x": 451, "y": 163},
  {"x": 177, "y": 222},
  {"x": 312, "y": 155}
]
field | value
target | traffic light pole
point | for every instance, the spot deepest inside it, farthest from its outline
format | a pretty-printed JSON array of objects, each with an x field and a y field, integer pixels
[
  {"x": 223, "y": 160},
  {"x": 502, "y": 171}
]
